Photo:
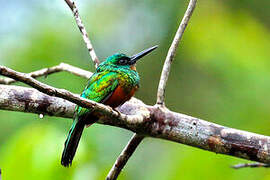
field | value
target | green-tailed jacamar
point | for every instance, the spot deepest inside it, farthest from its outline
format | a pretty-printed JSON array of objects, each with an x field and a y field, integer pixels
[{"x": 114, "y": 82}]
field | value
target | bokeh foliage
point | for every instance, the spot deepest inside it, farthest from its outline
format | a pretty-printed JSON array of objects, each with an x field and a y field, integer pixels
[{"x": 221, "y": 73}]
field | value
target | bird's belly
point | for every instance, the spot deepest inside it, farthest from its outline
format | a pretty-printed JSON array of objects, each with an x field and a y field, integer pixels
[{"x": 120, "y": 96}]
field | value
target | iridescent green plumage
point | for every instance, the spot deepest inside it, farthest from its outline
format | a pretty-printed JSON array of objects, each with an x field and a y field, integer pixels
[{"x": 113, "y": 83}]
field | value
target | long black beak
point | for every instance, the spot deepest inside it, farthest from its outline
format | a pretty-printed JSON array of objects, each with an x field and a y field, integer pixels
[{"x": 136, "y": 57}]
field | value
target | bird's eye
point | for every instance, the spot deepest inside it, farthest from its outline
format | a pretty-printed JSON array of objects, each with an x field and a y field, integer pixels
[{"x": 123, "y": 61}]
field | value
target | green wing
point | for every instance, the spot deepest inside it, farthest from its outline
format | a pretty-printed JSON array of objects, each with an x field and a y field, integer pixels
[{"x": 100, "y": 87}]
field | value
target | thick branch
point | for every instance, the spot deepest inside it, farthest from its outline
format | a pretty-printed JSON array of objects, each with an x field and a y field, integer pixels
[
  {"x": 82, "y": 29},
  {"x": 160, "y": 123},
  {"x": 47, "y": 71},
  {"x": 16, "y": 98},
  {"x": 124, "y": 156},
  {"x": 171, "y": 53}
]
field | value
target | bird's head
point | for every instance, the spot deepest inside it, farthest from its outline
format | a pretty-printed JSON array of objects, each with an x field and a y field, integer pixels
[{"x": 122, "y": 60}]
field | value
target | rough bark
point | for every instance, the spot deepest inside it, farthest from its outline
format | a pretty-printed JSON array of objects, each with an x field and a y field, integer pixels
[{"x": 161, "y": 123}]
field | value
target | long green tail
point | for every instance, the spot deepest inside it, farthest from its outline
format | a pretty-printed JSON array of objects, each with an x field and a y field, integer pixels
[{"x": 72, "y": 142}]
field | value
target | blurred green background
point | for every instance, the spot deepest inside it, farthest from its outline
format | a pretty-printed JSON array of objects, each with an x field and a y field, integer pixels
[{"x": 221, "y": 74}]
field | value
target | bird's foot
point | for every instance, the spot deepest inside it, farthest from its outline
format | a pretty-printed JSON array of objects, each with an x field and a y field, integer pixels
[{"x": 119, "y": 113}]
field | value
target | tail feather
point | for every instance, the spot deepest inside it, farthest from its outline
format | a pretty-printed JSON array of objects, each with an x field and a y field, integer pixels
[{"x": 72, "y": 142}]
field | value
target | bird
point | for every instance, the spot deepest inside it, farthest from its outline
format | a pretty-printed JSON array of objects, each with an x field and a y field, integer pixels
[{"x": 114, "y": 82}]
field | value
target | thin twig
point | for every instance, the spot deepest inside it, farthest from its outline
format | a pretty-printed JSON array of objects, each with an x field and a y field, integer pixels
[
  {"x": 124, "y": 156},
  {"x": 82, "y": 29},
  {"x": 172, "y": 52},
  {"x": 47, "y": 71},
  {"x": 251, "y": 165}
]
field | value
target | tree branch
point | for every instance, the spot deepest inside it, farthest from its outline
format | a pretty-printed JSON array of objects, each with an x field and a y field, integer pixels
[
  {"x": 101, "y": 109},
  {"x": 82, "y": 29},
  {"x": 152, "y": 121},
  {"x": 171, "y": 53},
  {"x": 47, "y": 71},
  {"x": 251, "y": 165},
  {"x": 16, "y": 98},
  {"x": 124, "y": 156}
]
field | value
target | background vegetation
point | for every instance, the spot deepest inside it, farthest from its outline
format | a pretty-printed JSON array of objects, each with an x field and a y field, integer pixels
[{"x": 221, "y": 74}]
